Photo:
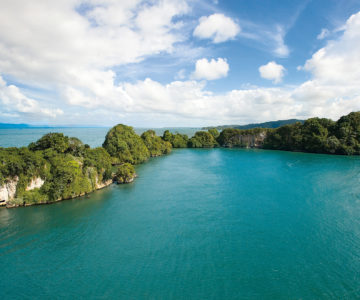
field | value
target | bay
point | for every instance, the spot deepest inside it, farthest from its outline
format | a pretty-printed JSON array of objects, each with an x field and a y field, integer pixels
[{"x": 196, "y": 224}]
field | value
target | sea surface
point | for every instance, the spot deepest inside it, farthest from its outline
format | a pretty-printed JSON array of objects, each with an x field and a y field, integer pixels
[{"x": 196, "y": 224}]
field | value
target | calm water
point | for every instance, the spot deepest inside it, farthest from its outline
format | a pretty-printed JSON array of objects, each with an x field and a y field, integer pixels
[{"x": 196, "y": 224}]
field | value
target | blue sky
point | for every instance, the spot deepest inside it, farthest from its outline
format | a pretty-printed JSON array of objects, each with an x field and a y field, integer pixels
[{"x": 177, "y": 62}]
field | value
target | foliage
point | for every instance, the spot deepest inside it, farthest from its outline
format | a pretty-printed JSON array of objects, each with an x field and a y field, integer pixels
[
  {"x": 21, "y": 162},
  {"x": 99, "y": 159},
  {"x": 55, "y": 141},
  {"x": 202, "y": 139},
  {"x": 214, "y": 132},
  {"x": 68, "y": 167},
  {"x": 319, "y": 136},
  {"x": 177, "y": 140},
  {"x": 122, "y": 143},
  {"x": 125, "y": 173},
  {"x": 155, "y": 144}
]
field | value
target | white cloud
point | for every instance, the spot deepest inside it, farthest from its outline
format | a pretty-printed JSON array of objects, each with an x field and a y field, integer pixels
[
  {"x": 338, "y": 62},
  {"x": 281, "y": 49},
  {"x": 272, "y": 71},
  {"x": 323, "y": 34},
  {"x": 270, "y": 39},
  {"x": 217, "y": 27},
  {"x": 13, "y": 101},
  {"x": 75, "y": 60},
  {"x": 211, "y": 70},
  {"x": 62, "y": 44}
]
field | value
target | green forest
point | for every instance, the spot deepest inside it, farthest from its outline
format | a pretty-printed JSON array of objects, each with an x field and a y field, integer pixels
[{"x": 70, "y": 168}]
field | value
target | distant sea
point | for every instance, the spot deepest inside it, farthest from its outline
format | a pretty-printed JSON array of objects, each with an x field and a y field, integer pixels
[
  {"x": 196, "y": 224},
  {"x": 94, "y": 136}
]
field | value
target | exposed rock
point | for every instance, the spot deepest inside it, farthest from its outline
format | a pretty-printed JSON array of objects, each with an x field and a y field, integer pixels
[
  {"x": 246, "y": 140},
  {"x": 35, "y": 182},
  {"x": 8, "y": 190},
  {"x": 100, "y": 185}
]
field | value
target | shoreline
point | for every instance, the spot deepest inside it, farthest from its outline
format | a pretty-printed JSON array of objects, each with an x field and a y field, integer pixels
[{"x": 107, "y": 184}]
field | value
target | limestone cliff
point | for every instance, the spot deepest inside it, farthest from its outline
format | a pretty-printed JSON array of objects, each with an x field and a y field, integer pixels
[
  {"x": 36, "y": 182},
  {"x": 242, "y": 138},
  {"x": 8, "y": 190}
]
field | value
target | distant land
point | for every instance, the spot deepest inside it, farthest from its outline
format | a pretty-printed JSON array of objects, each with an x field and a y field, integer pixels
[
  {"x": 6, "y": 125},
  {"x": 20, "y": 126},
  {"x": 271, "y": 124}
]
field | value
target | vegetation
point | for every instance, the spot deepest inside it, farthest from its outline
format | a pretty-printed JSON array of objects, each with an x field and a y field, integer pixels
[
  {"x": 125, "y": 173},
  {"x": 21, "y": 162},
  {"x": 319, "y": 136},
  {"x": 177, "y": 140},
  {"x": 125, "y": 146},
  {"x": 68, "y": 168},
  {"x": 155, "y": 144},
  {"x": 214, "y": 132},
  {"x": 202, "y": 139}
]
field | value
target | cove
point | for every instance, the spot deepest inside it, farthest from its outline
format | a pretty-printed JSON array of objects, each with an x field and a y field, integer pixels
[{"x": 196, "y": 224}]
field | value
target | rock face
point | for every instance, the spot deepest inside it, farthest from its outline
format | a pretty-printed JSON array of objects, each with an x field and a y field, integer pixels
[
  {"x": 246, "y": 141},
  {"x": 100, "y": 185},
  {"x": 36, "y": 182},
  {"x": 8, "y": 190},
  {"x": 252, "y": 141}
]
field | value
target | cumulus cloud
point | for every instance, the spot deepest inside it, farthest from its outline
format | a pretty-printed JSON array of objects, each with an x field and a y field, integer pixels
[
  {"x": 338, "y": 62},
  {"x": 75, "y": 59},
  {"x": 67, "y": 44},
  {"x": 272, "y": 71},
  {"x": 211, "y": 70},
  {"x": 217, "y": 27},
  {"x": 14, "y": 102}
]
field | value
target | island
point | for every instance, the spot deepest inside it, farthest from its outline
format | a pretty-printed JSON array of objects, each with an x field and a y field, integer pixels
[{"x": 57, "y": 167}]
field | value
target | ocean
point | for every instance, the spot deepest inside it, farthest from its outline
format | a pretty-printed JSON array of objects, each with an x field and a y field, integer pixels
[{"x": 195, "y": 224}]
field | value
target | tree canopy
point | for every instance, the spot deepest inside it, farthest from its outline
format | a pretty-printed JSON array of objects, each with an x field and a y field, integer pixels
[
  {"x": 123, "y": 144},
  {"x": 155, "y": 144}
]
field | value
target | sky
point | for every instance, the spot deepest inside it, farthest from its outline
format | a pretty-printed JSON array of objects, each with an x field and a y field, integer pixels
[{"x": 177, "y": 63}]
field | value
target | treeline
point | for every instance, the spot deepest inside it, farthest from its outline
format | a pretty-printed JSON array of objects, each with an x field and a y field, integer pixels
[
  {"x": 229, "y": 137},
  {"x": 68, "y": 168},
  {"x": 318, "y": 136}
]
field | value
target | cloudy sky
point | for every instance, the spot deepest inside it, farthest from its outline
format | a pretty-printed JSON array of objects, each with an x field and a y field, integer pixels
[{"x": 157, "y": 63}]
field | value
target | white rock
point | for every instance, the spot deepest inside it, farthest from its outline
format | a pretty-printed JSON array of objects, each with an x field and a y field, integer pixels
[
  {"x": 36, "y": 182},
  {"x": 8, "y": 190}
]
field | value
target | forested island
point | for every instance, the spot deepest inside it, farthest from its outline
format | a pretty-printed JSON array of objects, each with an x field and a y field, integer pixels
[{"x": 57, "y": 167}]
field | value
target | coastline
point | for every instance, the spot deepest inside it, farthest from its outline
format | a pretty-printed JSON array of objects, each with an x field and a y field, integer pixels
[{"x": 105, "y": 185}]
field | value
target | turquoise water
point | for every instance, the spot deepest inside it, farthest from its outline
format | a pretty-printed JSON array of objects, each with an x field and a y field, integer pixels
[
  {"x": 196, "y": 224},
  {"x": 94, "y": 136}
]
